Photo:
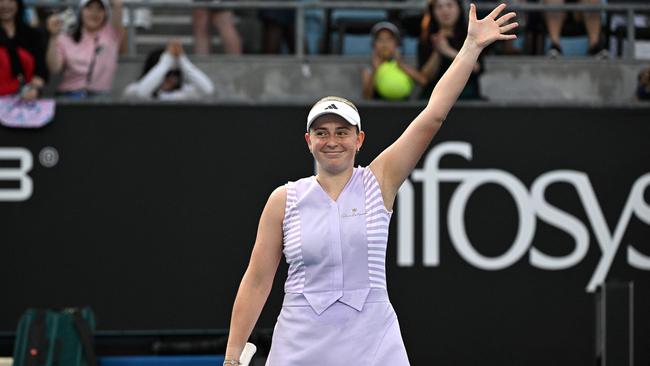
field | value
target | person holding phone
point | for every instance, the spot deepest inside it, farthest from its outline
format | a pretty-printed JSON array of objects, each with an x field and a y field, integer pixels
[{"x": 87, "y": 58}]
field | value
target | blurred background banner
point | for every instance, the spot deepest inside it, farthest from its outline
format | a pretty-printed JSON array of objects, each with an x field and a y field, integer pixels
[{"x": 498, "y": 242}]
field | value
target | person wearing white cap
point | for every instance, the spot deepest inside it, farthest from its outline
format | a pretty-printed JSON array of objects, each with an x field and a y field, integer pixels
[
  {"x": 87, "y": 57},
  {"x": 333, "y": 229}
]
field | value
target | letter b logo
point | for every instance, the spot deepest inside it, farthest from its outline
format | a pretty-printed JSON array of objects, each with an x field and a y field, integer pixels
[{"x": 19, "y": 174}]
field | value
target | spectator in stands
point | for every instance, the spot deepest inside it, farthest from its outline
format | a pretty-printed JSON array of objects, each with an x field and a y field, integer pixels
[
  {"x": 555, "y": 20},
  {"x": 22, "y": 53},
  {"x": 169, "y": 75},
  {"x": 388, "y": 77},
  {"x": 444, "y": 30},
  {"x": 87, "y": 57},
  {"x": 643, "y": 89},
  {"x": 224, "y": 21}
]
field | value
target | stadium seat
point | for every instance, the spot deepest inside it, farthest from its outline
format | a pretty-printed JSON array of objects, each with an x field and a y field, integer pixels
[
  {"x": 616, "y": 26},
  {"x": 348, "y": 22}
]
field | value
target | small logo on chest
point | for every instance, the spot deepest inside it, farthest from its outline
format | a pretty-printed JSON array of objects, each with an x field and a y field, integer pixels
[{"x": 353, "y": 212}]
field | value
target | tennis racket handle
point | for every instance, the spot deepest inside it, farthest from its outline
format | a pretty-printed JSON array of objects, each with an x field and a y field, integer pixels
[{"x": 247, "y": 354}]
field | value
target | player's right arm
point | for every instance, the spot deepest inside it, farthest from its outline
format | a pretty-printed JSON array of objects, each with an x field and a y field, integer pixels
[{"x": 258, "y": 279}]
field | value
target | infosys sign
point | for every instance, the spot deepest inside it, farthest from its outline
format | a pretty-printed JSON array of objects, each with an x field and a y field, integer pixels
[{"x": 531, "y": 205}]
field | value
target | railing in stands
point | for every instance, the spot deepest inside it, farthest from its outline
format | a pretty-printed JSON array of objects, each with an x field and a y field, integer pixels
[{"x": 630, "y": 9}]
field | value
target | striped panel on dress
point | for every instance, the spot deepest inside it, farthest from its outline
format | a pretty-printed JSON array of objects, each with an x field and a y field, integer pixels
[
  {"x": 292, "y": 247},
  {"x": 377, "y": 221}
]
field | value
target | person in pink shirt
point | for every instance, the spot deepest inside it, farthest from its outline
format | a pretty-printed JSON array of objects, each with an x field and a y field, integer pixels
[{"x": 87, "y": 58}]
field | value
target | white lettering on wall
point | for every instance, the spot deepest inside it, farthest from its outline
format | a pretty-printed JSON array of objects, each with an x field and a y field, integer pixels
[
  {"x": 25, "y": 159},
  {"x": 530, "y": 207}
]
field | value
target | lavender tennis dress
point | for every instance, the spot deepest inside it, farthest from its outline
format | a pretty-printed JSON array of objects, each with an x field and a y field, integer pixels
[{"x": 336, "y": 308}]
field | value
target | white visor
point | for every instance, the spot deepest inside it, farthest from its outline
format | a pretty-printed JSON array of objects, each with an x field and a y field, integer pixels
[{"x": 334, "y": 107}]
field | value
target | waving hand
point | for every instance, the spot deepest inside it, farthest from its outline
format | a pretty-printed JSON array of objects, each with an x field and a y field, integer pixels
[
  {"x": 395, "y": 163},
  {"x": 491, "y": 28}
]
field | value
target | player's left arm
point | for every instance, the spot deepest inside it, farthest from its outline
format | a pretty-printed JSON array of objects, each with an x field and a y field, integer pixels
[{"x": 395, "y": 163}]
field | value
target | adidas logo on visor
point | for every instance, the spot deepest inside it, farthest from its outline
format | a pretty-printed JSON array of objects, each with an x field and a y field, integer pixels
[{"x": 332, "y": 107}]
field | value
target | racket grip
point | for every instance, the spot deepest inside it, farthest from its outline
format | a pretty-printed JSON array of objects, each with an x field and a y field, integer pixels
[{"x": 247, "y": 354}]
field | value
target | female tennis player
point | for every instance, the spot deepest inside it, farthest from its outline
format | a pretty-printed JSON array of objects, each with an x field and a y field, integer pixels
[{"x": 333, "y": 228}]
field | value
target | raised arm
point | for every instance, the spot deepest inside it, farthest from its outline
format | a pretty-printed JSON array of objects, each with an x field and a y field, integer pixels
[
  {"x": 53, "y": 57},
  {"x": 145, "y": 87},
  {"x": 367, "y": 78},
  {"x": 395, "y": 163},
  {"x": 195, "y": 76},
  {"x": 368, "y": 75},
  {"x": 256, "y": 283},
  {"x": 430, "y": 68},
  {"x": 116, "y": 17},
  {"x": 412, "y": 72}
]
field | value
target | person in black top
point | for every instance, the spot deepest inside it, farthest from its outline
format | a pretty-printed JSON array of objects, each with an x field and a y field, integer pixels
[
  {"x": 22, "y": 53},
  {"x": 444, "y": 30}
]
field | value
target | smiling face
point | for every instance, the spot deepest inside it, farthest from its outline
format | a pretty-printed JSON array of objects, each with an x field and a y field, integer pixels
[
  {"x": 334, "y": 143},
  {"x": 446, "y": 12},
  {"x": 93, "y": 16},
  {"x": 8, "y": 10}
]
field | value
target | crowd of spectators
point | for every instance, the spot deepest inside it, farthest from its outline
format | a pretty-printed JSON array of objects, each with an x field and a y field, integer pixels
[{"x": 82, "y": 48}]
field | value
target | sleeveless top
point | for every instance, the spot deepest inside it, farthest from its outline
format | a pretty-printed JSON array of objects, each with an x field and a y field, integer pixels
[{"x": 336, "y": 250}]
